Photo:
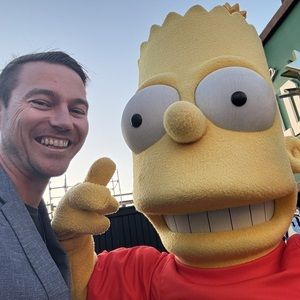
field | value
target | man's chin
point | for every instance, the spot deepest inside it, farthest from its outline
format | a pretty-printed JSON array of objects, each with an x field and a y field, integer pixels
[{"x": 52, "y": 170}]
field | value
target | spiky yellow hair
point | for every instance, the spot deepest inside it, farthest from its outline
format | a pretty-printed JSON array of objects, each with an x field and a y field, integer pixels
[
  {"x": 197, "y": 9},
  {"x": 223, "y": 27},
  {"x": 235, "y": 9}
]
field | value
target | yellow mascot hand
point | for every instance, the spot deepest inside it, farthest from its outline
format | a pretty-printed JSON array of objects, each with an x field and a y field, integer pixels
[{"x": 81, "y": 214}]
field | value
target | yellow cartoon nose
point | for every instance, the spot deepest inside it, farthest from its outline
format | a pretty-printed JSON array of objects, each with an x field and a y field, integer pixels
[{"x": 184, "y": 122}]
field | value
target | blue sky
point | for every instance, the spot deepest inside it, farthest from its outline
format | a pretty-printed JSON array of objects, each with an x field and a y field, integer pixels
[{"x": 104, "y": 36}]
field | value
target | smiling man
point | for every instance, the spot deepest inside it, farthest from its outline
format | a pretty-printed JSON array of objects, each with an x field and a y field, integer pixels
[{"x": 43, "y": 123}]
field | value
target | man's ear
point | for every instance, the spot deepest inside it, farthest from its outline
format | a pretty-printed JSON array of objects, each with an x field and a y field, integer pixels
[{"x": 292, "y": 145}]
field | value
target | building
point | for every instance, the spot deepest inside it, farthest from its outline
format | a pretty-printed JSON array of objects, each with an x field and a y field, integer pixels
[{"x": 281, "y": 41}]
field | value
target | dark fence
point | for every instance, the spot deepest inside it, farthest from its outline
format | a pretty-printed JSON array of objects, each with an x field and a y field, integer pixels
[{"x": 128, "y": 228}]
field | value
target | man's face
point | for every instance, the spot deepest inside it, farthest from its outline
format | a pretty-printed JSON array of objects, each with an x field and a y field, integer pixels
[{"x": 45, "y": 123}]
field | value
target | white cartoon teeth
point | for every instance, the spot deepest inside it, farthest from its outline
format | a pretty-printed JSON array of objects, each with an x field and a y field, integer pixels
[{"x": 227, "y": 219}]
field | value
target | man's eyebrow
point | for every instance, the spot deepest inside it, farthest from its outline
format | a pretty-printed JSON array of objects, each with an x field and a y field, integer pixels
[
  {"x": 36, "y": 91},
  {"x": 52, "y": 94}
]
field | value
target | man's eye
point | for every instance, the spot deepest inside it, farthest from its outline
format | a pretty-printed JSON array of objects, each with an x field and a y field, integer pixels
[
  {"x": 40, "y": 103},
  {"x": 79, "y": 111}
]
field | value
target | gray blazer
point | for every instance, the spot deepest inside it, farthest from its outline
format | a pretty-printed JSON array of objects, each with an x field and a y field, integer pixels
[{"x": 27, "y": 269}]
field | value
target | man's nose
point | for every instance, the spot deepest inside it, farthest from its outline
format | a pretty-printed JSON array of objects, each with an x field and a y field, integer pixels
[
  {"x": 184, "y": 122},
  {"x": 61, "y": 119}
]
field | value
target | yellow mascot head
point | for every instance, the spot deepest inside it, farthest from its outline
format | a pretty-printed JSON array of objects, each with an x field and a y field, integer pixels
[{"x": 211, "y": 169}]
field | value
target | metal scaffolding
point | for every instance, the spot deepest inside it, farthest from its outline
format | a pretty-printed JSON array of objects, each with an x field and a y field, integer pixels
[{"x": 56, "y": 192}]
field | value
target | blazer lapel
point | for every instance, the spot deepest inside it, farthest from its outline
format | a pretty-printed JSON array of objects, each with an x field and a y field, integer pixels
[{"x": 30, "y": 239}]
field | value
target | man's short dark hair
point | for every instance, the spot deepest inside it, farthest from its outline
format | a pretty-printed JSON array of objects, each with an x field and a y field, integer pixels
[{"x": 9, "y": 75}]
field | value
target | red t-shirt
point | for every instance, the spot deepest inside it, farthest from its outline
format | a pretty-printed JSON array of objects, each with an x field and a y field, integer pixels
[{"x": 143, "y": 273}]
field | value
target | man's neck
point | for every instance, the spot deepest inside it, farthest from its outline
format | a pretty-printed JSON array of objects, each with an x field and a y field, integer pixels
[{"x": 29, "y": 187}]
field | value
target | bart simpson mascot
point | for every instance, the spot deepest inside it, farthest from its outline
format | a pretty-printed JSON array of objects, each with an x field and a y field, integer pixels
[{"x": 212, "y": 172}]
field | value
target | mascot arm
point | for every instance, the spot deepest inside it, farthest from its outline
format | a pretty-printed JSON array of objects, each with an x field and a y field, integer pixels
[{"x": 81, "y": 214}]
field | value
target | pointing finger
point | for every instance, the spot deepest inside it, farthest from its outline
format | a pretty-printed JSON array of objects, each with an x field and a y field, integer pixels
[
  {"x": 81, "y": 221},
  {"x": 92, "y": 197},
  {"x": 101, "y": 171}
]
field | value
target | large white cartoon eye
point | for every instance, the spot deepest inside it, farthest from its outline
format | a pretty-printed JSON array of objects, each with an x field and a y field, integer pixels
[
  {"x": 237, "y": 98},
  {"x": 142, "y": 119}
]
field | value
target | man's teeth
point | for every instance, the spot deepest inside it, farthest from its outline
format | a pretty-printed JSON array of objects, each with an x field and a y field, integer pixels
[
  {"x": 227, "y": 219},
  {"x": 59, "y": 143}
]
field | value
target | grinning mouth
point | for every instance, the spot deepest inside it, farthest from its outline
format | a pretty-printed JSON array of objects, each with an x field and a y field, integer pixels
[
  {"x": 53, "y": 142},
  {"x": 227, "y": 219}
]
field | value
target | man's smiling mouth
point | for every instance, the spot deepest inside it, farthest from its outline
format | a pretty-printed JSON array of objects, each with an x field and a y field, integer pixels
[
  {"x": 227, "y": 219},
  {"x": 53, "y": 142}
]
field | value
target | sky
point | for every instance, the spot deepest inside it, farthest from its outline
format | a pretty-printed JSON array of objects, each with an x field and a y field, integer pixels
[{"x": 105, "y": 37}]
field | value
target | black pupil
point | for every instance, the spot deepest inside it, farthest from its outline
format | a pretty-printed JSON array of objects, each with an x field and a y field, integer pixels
[
  {"x": 136, "y": 120},
  {"x": 238, "y": 98}
]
